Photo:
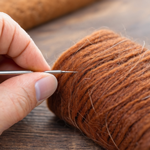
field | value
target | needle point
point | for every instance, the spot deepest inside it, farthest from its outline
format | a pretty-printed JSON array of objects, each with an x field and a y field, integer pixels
[{"x": 69, "y": 71}]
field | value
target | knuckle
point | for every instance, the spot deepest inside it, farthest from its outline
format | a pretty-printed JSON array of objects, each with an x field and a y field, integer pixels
[
  {"x": 4, "y": 17},
  {"x": 29, "y": 99},
  {"x": 22, "y": 104},
  {"x": 2, "y": 14},
  {"x": 4, "y": 21},
  {"x": 18, "y": 103},
  {"x": 1, "y": 24}
]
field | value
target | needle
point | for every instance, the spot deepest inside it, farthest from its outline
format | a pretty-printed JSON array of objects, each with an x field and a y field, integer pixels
[{"x": 28, "y": 71}]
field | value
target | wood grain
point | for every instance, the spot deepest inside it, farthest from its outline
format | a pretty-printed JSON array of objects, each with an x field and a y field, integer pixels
[{"x": 41, "y": 130}]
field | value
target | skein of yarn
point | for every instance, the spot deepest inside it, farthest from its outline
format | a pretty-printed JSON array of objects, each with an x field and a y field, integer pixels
[
  {"x": 108, "y": 99},
  {"x": 32, "y": 13}
]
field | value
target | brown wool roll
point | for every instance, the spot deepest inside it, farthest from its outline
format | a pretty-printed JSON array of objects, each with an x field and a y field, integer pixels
[
  {"x": 108, "y": 99},
  {"x": 34, "y": 12}
]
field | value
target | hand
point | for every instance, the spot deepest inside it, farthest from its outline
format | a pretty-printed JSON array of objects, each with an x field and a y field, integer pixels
[{"x": 20, "y": 94}]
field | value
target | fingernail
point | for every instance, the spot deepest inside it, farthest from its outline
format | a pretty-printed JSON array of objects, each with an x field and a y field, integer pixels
[{"x": 45, "y": 87}]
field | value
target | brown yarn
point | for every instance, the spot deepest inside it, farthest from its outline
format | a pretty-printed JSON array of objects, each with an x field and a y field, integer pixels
[
  {"x": 108, "y": 99},
  {"x": 34, "y": 12}
]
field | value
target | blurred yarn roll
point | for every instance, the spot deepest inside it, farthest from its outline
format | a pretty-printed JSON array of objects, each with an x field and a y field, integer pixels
[{"x": 35, "y": 12}]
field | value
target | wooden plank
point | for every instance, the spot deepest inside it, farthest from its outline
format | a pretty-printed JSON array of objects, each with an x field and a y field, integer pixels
[{"x": 41, "y": 130}]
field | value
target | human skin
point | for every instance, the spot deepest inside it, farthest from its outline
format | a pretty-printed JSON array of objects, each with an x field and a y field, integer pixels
[{"x": 20, "y": 94}]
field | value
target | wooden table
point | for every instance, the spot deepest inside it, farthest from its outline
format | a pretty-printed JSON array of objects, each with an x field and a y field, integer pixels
[{"x": 41, "y": 130}]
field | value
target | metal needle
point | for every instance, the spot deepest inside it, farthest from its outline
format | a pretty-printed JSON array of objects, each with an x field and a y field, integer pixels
[
  {"x": 27, "y": 71},
  {"x": 59, "y": 71}
]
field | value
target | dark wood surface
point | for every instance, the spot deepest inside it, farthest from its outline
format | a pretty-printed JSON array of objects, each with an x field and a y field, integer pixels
[{"x": 41, "y": 130}]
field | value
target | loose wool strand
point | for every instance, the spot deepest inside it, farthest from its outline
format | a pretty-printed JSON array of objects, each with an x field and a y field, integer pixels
[{"x": 108, "y": 99}]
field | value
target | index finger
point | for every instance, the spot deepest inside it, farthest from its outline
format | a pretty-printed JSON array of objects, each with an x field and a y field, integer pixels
[{"x": 18, "y": 45}]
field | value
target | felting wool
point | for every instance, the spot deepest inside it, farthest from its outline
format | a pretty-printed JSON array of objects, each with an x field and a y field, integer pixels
[{"x": 108, "y": 99}]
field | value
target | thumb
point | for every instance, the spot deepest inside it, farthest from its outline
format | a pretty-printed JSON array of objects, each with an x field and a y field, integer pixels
[{"x": 20, "y": 94}]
